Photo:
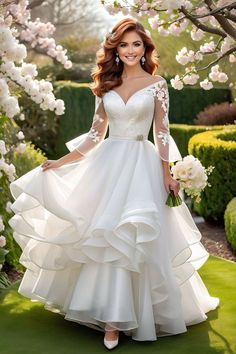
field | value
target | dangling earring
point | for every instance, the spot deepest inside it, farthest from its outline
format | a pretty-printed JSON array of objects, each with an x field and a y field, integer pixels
[
  {"x": 143, "y": 60},
  {"x": 117, "y": 60}
]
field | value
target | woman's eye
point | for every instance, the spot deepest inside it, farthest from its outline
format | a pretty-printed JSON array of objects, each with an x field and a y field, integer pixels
[
  {"x": 122, "y": 45},
  {"x": 137, "y": 44}
]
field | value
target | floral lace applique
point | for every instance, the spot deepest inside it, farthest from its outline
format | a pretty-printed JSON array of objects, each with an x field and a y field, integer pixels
[
  {"x": 165, "y": 138},
  {"x": 94, "y": 134},
  {"x": 160, "y": 91},
  {"x": 97, "y": 130},
  {"x": 161, "y": 132}
]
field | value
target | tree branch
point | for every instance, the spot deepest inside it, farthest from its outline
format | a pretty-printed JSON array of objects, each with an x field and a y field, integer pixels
[
  {"x": 225, "y": 24},
  {"x": 200, "y": 25},
  {"x": 35, "y": 3},
  {"x": 231, "y": 50}
]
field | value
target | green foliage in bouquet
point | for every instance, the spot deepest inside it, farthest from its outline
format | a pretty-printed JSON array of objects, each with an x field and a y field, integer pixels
[
  {"x": 23, "y": 162},
  {"x": 216, "y": 148},
  {"x": 182, "y": 133},
  {"x": 230, "y": 223}
]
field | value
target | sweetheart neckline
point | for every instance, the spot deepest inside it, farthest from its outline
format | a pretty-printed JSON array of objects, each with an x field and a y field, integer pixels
[{"x": 125, "y": 103}]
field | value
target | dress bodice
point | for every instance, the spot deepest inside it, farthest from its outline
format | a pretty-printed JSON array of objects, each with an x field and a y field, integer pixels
[{"x": 132, "y": 118}]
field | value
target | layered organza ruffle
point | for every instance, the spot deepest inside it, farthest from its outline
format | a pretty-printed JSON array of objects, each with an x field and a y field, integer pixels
[{"x": 100, "y": 245}]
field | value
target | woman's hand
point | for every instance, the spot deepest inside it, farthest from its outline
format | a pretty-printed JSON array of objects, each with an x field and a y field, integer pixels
[
  {"x": 171, "y": 185},
  {"x": 46, "y": 165}
]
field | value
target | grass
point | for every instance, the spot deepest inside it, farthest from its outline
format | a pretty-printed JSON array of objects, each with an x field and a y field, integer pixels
[{"x": 27, "y": 328}]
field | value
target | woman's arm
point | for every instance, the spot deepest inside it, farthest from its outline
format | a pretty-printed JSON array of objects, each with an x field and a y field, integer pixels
[
  {"x": 68, "y": 158},
  {"x": 95, "y": 135},
  {"x": 161, "y": 133}
]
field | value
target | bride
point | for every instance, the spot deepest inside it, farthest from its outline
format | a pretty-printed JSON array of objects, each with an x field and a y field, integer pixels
[{"x": 99, "y": 244}]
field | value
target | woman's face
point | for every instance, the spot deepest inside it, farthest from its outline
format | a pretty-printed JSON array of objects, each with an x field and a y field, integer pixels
[{"x": 131, "y": 48}]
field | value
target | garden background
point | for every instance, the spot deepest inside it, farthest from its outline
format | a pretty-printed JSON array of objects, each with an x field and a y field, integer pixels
[{"x": 202, "y": 124}]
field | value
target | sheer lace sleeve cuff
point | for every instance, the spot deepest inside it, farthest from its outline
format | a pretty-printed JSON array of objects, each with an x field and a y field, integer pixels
[{"x": 86, "y": 142}]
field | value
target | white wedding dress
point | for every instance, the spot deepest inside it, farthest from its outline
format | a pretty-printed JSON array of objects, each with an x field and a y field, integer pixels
[{"x": 99, "y": 244}]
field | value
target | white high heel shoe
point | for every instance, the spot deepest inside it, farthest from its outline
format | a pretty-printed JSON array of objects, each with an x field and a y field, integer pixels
[{"x": 110, "y": 344}]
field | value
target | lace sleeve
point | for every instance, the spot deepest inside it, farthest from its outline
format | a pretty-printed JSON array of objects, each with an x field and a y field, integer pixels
[
  {"x": 161, "y": 132},
  {"x": 86, "y": 142}
]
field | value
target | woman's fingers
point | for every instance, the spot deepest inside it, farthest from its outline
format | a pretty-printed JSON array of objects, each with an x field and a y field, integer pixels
[{"x": 175, "y": 188}]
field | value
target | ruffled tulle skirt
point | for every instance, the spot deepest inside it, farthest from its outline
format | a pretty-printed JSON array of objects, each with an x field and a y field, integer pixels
[{"x": 100, "y": 245}]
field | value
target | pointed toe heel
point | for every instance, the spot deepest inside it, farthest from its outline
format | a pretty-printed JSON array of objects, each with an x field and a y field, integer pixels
[{"x": 110, "y": 344}]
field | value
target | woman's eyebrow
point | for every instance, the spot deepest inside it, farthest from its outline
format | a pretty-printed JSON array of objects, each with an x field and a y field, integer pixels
[{"x": 138, "y": 41}]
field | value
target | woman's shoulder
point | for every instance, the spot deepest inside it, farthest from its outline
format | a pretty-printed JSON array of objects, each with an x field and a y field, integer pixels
[{"x": 159, "y": 78}]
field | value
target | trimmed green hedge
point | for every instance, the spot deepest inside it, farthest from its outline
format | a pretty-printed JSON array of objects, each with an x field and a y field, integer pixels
[
  {"x": 183, "y": 132},
  {"x": 214, "y": 148},
  {"x": 230, "y": 223},
  {"x": 79, "y": 102},
  {"x": 188, "y": 102}
]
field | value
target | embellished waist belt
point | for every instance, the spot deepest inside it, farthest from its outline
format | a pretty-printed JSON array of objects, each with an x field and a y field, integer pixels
[{"x": 139, "y": 137}]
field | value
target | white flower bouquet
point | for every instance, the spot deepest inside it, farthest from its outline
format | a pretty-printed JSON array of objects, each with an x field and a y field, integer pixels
[{"x": 192, "y": 176}]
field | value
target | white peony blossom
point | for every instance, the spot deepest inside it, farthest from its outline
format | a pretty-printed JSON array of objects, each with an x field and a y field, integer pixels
[
  {"x": 3, "y": 149},
  {"x": 190, "y": 79},
  {"x": 208, "y": 47},
  {"x": 184, "y": 56},
  {"x": 232, "y": 58},
  {"x": 60, "y": 107},
  {"x": 2, "y": 241},
  {"x": 154, "y": 22},
  {"x": 22, "y": 116},
  {"x": 2, "y": 226},
  {"x": 217, "y": 75},
  {"x": 206, "y": 84},
  {"x": 197, "y": 34},
  {"x": 191, "y": 175},
  {"x": 29, "y": 69},
  {"x": 176, "y": 83},
  {"x": 10, "y": 106},
  {"x": 20, "y": 135},
  {"x": 4, "y": 90},
  {"x": 21, "y": 148}
]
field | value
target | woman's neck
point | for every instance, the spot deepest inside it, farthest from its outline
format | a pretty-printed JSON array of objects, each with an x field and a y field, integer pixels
[{"x": 132, "y": 72}]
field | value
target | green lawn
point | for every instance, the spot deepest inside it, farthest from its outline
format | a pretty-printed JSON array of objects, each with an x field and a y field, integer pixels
[{"x": 26, "y": 328}]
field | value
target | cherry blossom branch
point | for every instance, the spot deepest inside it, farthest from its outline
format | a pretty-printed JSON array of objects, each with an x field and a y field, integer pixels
[
  {"x": 200, "y": 25},
  {"x": 228, "y": 28},
  {"x": 231, "y": 50}
]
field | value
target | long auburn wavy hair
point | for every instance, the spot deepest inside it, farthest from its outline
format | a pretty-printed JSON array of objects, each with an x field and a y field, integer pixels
[{"x": 107, "y": 74}]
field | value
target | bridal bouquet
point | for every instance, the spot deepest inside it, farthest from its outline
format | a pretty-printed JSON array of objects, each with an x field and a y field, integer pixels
[{"x": 192, "y": 176}]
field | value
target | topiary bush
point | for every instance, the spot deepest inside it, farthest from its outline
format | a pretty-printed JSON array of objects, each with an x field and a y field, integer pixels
[
  {"x": 218, "y": 113},
  {"x": 183, "y": 132},
  {"x": 216, "y": 148},
  {"x": 230, "y": 223}
]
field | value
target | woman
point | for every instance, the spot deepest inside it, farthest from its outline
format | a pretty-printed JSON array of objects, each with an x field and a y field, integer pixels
[{"x": 99, "y": 244}]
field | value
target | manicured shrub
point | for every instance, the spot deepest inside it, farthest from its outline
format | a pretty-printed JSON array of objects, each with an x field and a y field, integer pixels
[
  {"x": 216, "y": 148},
  {"x": 230, "y": 223},
  {"x": 222, "y": 113},
  {"x": 188, "y": 102},
  {"x": 183, "y": 132},
  {"x": 79, "y": 101}
]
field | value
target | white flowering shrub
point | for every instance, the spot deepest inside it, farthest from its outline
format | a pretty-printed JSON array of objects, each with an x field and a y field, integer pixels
[
  {"x": 200, "y": 19},
  {"x": 18, "y": 78},
  {"x": 16, "y": 158}
]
